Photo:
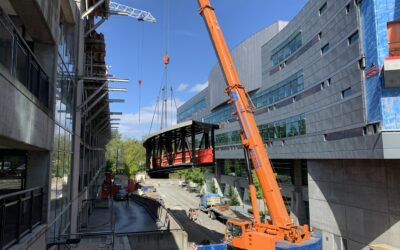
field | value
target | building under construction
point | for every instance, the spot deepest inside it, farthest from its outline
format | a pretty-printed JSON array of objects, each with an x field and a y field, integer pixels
[
  {"x": 327, "y": 106},
  {"x": 55, "y": 118}
]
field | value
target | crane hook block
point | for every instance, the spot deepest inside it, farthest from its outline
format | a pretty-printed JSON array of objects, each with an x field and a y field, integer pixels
[
  {"x": 166, "y": 59},
  {"x": 140, "y": 83}
]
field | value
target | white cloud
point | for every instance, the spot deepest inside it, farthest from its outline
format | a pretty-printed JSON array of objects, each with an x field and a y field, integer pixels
[
  {"x": 199, "y": 87},
  {"x": 182, "y": 87},
  {"x": 130, "y": 127}
]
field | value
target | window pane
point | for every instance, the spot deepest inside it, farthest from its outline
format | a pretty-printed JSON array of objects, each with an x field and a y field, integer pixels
[
  {"x": 5, "y": 47},
  {"x": 325, "y": 48},
  {"x": 323, "y": 8},
  {"x": 22, "y": 64}
]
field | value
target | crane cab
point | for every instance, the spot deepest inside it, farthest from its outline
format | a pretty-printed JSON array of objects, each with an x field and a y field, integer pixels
[
  {"x": 235, "y": 233},
  {"x": 241, "y": 234}
]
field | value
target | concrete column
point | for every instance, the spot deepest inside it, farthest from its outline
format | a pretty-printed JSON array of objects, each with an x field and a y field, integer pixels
[
  {"x": 297, "y": 206},
  {"x": 77, "y": 132}
]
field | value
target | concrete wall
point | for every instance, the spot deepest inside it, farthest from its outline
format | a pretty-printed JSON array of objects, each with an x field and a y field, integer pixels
[
  {"x": 172, "y": 237},
  {"x": 171, "y": 240},
  {"x": 41, "y": 18},
  {"x": 355, "y": 202},
  {"x": 24, "y": 120}
]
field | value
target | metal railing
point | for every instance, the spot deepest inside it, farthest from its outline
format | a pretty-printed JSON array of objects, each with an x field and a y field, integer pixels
[
  {"x": 20, "y": 212},
  {"x": 17, "y": 57}
]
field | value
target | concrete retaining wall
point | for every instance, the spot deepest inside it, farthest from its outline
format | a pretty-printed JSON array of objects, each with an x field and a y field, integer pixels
[
  {"x": 171, "y": 235},
  {"x": 355, "y": 203}
]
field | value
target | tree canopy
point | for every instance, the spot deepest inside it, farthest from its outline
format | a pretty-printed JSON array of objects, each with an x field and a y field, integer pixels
[{"x": 126, "y": 154}]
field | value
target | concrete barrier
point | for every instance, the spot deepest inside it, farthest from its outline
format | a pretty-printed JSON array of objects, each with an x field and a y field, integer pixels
[{"x": 171, "y": 234}]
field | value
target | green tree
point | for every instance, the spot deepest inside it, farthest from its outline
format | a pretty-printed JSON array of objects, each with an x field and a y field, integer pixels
[
  {"x": 196, "y": 175},
  {"x": 109, "y": 165},
  {"x": 213, "y": 187},
  {"x": 256, "y": 182},
  {"x": 112, "y": 148},
  {"x": 130, "y": 153},
  {"x": 234, "y": 199},
  {"x": 134, "y": 156}
]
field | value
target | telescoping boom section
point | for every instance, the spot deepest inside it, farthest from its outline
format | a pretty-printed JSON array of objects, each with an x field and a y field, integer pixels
[
  {"x": 247, "y": 235},
  {"x": 185, "y": 145}
]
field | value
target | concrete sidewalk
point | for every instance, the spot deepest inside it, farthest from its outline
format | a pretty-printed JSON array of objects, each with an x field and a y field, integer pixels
[{"x": 98, "y": 234}]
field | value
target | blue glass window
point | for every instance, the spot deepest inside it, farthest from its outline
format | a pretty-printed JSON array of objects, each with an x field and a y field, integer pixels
[
  {"x": 353, "y": 38},
  {"x": 282, "y": 52},
  {"x": 347, "y": 92},
  {"x": 192, "y": 109},
  {"x": 222, "y": 114},
  {"x": 292, "y": 126},
  {"x": 288, "y": 87}
]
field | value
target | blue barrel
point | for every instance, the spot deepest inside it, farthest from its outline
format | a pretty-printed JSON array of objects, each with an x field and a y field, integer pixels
[{"x": 212, "y": 247}]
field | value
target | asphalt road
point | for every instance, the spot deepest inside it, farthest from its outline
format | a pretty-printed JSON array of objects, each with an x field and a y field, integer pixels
[
  {"x": 132, "y": 218},
  {"x": 178, "y": 200}
]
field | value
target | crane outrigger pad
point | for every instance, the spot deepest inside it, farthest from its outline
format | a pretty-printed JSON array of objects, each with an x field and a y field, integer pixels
[{"x": 184, "y": 145}]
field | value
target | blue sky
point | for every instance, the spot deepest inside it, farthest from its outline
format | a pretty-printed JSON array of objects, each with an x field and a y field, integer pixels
[{"x": 135, "y": 49}]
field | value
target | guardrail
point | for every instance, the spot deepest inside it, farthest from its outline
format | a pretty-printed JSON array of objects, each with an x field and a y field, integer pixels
[
  {"x": 20, "y": 213},
  {"x": 17, "y": 57}
]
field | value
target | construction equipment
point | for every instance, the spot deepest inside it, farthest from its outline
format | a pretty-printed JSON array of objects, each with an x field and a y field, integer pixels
[
  {"x": 212, "y": 204},
  {"x": 141, "y": 15},
  {"x": 280, "y": 232}
]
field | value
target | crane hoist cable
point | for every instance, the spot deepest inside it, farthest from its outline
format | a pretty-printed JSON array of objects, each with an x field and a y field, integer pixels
[
  {"x": 140, "y": 66},
  {"x": 156, "y": 107},
  {"x": 162, "y": 98}
]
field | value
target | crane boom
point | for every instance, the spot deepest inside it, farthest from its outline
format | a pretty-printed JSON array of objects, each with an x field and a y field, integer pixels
[
  {"x": 141, "y": 15},
  {"x": 251, "y": 139}
]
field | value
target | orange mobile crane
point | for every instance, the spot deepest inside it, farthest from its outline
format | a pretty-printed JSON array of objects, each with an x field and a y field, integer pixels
[{"x": 280, "y": 233}]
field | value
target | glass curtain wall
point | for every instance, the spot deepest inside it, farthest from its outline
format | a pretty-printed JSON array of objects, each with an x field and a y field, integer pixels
[{"x": 63, "y": 132}]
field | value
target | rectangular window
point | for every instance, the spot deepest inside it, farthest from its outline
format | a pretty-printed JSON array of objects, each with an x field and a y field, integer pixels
[
  {"x": 325, "y": 48},
  {"x": 347, "y": 92},
  {"x": 187, "y": 113},
  {"x": 323, "y": 8},
  {"x": 281, "y": 90},
  {"x": 353, "y": 38},
  {"x": 328, "y": 82},
  {"x": 286, "y": 49},
  {"x": 348, "y": 8}
]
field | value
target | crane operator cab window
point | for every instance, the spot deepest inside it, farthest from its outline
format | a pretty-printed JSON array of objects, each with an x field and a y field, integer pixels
[{"x": 233, "y": 231}]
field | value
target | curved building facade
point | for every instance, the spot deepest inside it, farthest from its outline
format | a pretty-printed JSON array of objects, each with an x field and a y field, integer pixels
[{"x": 330, "y": 122}]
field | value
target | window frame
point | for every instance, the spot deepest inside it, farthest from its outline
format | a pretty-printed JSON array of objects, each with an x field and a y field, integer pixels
[
  {"x": 347, "y": 92},
  {"x": 325, "y": 49},
  {"x": 323, "y": 9}
]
